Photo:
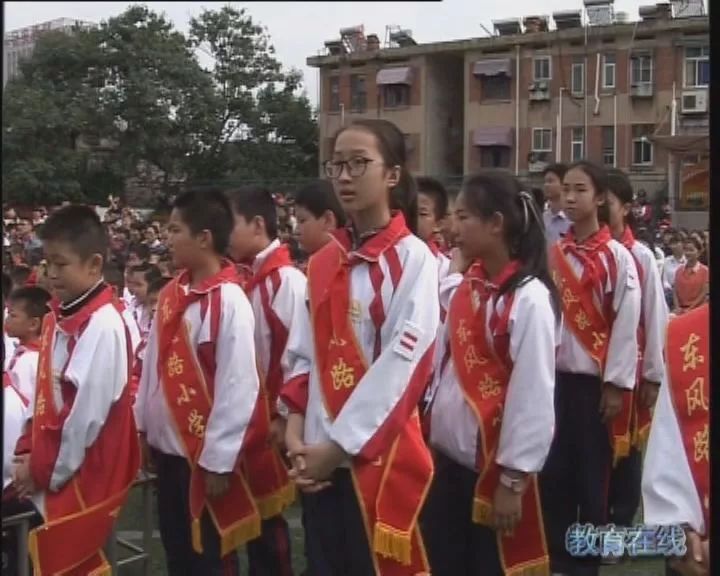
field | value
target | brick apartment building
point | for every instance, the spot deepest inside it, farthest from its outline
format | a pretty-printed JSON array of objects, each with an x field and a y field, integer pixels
[{"x": 606, "y": 88}]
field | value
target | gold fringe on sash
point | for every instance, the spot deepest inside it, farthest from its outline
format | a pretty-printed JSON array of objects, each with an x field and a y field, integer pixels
[
  {"x": 392, "y": 543},
  {"x": 197, "y": 536},
  {"x": 540, "y": 568},
  {"x": 482, "y": 512},
  {"x": 243, "y": 532},
  {"x": 275, "y": 503},
  {"x": 621, "y": 448}
]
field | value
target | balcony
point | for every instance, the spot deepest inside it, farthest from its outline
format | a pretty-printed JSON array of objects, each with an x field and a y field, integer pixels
[
  {"x": 539, "y": 92},
  {"x": 642, "y": 90}
]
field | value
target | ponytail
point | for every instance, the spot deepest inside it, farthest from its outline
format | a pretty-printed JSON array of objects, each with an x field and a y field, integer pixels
[{"x": 404, "y": 198}]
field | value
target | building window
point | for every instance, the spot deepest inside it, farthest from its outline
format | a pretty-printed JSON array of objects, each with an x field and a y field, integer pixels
[
  {"x": 496, "y": 87},
  {"x": 609, "y": 71},
  {"x": 641, "y": 69},
  {"x": 577, "y": 144},
  {"x": 396, "y": 95},
  {"x": 608, "y": 145},
  {"x": 542, "y": 140},
  {"x": 697, "y": 66},
  {"x": 495, "y": 157},
  {"x": 578, "y": 78},
  {"x": 641, "y": 144},
  {"x": 334, "y": 94},
  {"x": 358, "y": 92},
  {"x": 541, "y": 69}
]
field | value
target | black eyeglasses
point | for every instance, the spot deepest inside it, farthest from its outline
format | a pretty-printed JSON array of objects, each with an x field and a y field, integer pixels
[{"x": 355, "y": 166}]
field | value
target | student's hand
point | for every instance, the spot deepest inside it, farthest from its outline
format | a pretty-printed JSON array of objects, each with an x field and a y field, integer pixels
[
  {"x": 697, "y": 560},
  {"x": 277, "y": 433},
  {"x": 321, "y": 460},
  {"x": 148, "y": 464},
  {"x": 22, "y": 478},
  {"x": 294, "y": 431},
  {"x": 458, "y": 262},
  {"x": 649, "y": 393},
  {"x": 507, "y": 509},
  {"x": 216, "y": 485},
  {"x": 611, "y": 401}
]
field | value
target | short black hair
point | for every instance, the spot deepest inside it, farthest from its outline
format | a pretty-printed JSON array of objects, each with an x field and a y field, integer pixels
[
  {"x": 79, "y": 227},
  {"x": 34, "y": 299},
  {"x": 207, "y": 210},
  {"x": 557, "y": 168},
  {"x": 142, "y": 251},
  {"x": 435, "y": 190},
  {"x": 319, "y": 196},
  {"x": 539, "y": 197},
  {"x": 158, "y": 284},
  {"x": 19, "y": 275},
  {"x": 252, "y": 201},
  {"x": 113, "y": 275},
  {"x": 150, "y": 272}
]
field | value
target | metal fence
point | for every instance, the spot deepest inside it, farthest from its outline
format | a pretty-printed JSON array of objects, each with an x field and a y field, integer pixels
[{"x": 20, "y": 523}]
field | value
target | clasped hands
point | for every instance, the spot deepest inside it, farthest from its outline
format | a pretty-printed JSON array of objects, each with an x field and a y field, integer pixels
[{"x": 312, "y": 465}]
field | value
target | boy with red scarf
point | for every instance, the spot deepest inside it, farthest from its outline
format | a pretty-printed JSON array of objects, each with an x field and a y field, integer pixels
[
  {"x": 276, "y": 289},
  {"x": 200, "y": 408},
  {"x": 81, "y": 454}
]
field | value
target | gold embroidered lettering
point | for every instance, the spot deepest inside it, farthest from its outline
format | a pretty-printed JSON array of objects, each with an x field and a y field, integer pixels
[
  {"x": 581, "y": 320},
  {"x": 463, "y": 333},
  {"x": 569, "y": 298},
  {"x": 196, "y": 424},
  {"x": 701, "y": 444},
  {"x": 184, "y": 397},
  {"x": 695, "y": 396},
  {"x": 489, "y": 387},
  {"x": 599, "y": 340},
  {"x": 40, "y": 404},
  {"x": 691, "y": 355},
  {"x": 175, "y": 365},
  {"x": 343, "y": 376},
  {"x": 471, "y": 358}
]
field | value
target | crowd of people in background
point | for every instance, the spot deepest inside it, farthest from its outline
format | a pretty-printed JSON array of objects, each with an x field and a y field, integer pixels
[{"x": 413, "y": 379}]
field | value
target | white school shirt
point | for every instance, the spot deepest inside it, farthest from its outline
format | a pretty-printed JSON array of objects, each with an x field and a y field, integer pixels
[
  {"x": 410, "y": 307},
  {"x": 287, "y": 302},
  {"x": 528, "y": 415},
  {"x": 133, "y": 328},
  {"x": 621, "y": 363},
  {"x": 23, "y": 370},
  {"x": 97, "y": 367},
  {"x": 127, "y": 298},
  {"x": 670, "y": 268},
  {"x": 655, "y": 314},
  {"x": 236, "y": 383},
  {"x": 9, "y": 344},
  {"x": 15, "y": 415},
  {"x": 668, "y": 488}
]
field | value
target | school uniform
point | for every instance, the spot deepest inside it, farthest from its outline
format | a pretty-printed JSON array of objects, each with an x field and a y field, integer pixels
[
  {"x": 508, "y": 342},
  {"x": 133, "y": 327},
  {"x": 600, "y": 295},
  {"x": 277, "y": 290},
  {"x": 22, "y": 369},
  {"x": 624, "y": 494},
  {"x": 83, "y": 450},
  {"x": 374, "y": 308},
  {"x": 200, "y": 407},
  {"x": 676, "y": 477},
  {"x": 16, "y": 409},
  {"x": 9, "y": 344}
]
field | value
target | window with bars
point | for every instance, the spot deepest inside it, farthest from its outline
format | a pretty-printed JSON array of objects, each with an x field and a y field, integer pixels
[
  {"x": 577, "y": 144},
  {"x": 542, "y": 69},
  {"x": 358, "y": 93},
  {"x": 577, "y": 86},
  {"x": 641, "y": 145},
  {"x": 608, "y": 145},
  {"x": 609, "y": 71},
  {"x": 396, "y": 95},
  {"x": 542, "y": 140},
  {"x": 334, "y": 104},
  {"x": 697, "y": 66},
  {"x": 641, "y": 67}
]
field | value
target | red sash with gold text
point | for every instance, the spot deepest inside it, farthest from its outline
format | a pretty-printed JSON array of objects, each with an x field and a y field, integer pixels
[
  {"x": 589, "y": 324},
  {"x": 484, "y": 379},
  {"x": 80, "y": 516},
  {"x": 189, "y": 399},
  {"x": 392, "y": 489},
  {"x": 688, "y": 359}
]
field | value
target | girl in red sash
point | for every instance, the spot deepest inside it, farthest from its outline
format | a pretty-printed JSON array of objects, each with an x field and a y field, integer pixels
[
  {"x": 624, "y": 496},
  {"x": 374, "y": 308},
  {"x": 597, "y": 366},
  {"x": 492, "y": 415},
  {"x": 676, "y": 478}
]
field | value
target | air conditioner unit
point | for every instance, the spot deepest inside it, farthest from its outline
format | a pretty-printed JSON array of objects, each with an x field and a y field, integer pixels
[
  {"x": 542, "y": 85},
  {"x": 694, "y": 102},
  {"x": 641, "y": 90}
]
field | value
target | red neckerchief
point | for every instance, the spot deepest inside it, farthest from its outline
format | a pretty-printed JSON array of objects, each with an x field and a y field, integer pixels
[
  {"x": 434, "y": 248},
  {"x": 627, "y": 239},
  {"x": 374, "y": 246},
  {"x": 227, "y": 273},
  {"x": 278, "y": 258},
  {"x": 71, "y": 324},
  {"x": 588, "y": 252}
]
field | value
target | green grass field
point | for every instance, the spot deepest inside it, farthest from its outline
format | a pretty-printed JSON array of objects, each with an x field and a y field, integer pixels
[{"x": 131, "y": 520}]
